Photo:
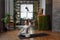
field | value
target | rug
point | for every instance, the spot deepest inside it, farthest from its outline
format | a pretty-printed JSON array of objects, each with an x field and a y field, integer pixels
[{"x": 33, "y": 35}]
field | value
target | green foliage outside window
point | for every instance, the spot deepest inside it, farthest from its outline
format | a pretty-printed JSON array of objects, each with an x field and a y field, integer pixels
[
  {"x": 35, "y": 14},
  {"x": 14, "y": 15}
]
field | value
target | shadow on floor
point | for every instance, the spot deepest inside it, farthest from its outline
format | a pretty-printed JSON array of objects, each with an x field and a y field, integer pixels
[{"x": 33, "y": 35}]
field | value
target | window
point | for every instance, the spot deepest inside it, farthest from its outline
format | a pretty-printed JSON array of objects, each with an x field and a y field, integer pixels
[{"x": 27, "y": 11}]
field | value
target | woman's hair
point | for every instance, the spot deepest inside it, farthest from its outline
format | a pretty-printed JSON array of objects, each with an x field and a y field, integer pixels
[
  {"x": 26, "y": 22},
  {"x": 31, "y": 22}
]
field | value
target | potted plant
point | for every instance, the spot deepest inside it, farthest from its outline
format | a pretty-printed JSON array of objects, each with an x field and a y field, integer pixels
[{"x": 6, "y": 20}]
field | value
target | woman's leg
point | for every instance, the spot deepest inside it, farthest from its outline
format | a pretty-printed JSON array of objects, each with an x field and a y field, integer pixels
[{"x": 31, "y": 30}]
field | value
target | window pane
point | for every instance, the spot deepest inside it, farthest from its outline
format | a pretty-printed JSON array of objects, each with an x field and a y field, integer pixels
[
  {"x": 23, "y": 8},
  {"x": 27, "y": 13},
  {"x": 30, "y": 15},
  {"x": 23, "y": 15}
]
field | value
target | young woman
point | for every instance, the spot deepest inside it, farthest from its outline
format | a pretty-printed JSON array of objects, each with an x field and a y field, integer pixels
[
  {"x": 27, "y": 29},
  {"x": 24, "y": 29}
]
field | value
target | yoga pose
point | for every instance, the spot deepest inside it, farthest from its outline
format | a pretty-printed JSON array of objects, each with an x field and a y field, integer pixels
[
  {"x": 24, "y": 29},
  {"x": 27, "y": 29}
]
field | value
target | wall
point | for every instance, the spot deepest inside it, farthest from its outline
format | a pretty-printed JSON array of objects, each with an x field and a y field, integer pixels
[
  {"x": 56, "y": 16},
  {"x": 43, "y": 5},
  {"x": 53, "y": 12},
  {"x": 49, "y": 12},
  {"x": 9, "y": 7},
  {"x": 2, "y": 12}
]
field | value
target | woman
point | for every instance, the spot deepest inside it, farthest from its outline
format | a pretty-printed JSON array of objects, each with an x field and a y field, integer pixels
[{"x": 24, "y": 29}]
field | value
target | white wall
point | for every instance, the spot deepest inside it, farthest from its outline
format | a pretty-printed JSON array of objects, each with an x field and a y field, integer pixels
[{"x": 43, "y": 5}]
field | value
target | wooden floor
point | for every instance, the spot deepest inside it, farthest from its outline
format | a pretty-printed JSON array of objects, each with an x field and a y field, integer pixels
[{"x": 12, "y": 35}]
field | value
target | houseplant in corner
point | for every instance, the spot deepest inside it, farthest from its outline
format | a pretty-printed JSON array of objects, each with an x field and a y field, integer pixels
[{"x": 6, "y": 20}]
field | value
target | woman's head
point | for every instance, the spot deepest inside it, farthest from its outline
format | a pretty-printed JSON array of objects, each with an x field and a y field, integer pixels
[{"x": 26, "y": 22}]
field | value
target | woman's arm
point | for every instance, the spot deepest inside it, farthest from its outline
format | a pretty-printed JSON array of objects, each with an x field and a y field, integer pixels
[{"x": 21, "y": 30}]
